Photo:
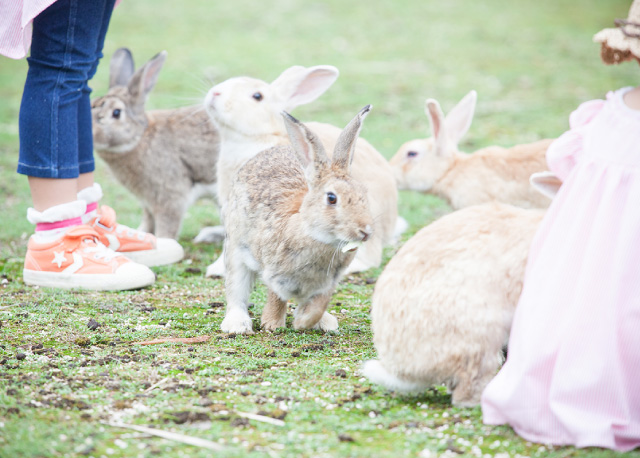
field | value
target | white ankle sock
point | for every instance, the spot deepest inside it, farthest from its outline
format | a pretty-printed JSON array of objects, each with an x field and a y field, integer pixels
[
  {"x": 91, "y": 195},
  {"x": 56, "y": 220}
]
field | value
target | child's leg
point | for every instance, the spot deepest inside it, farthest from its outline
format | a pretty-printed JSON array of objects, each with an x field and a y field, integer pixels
[
  {"x": 49, "y": 192},
  {"x": 54, "y": 114}
]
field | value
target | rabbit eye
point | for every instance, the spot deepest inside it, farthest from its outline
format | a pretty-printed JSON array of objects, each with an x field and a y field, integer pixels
[
  {"x": 116, "y": 113},
  {"x": 412, "y": 154},
  {"x": 257, "y": 96},
  {"x": 332, "y": 199}
]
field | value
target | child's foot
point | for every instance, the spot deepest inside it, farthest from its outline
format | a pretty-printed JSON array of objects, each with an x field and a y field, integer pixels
[
  {"x": 79, "y": 260},
  {"x": 141, "y": 247}
]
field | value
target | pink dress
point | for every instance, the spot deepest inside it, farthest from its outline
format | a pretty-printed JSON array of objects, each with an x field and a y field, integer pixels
[{"x": 572, "y": 376}]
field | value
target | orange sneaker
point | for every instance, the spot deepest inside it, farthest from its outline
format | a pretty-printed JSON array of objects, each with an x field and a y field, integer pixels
[
  {"x": 140, "y": 247},
  {"x": 79, "y": 260}
]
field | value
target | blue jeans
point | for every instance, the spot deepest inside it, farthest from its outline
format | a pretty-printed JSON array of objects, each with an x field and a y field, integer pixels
[{"x": 56, "y": 140}]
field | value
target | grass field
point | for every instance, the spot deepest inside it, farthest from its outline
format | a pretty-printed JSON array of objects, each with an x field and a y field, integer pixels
[{"x": 63, "y": 382}]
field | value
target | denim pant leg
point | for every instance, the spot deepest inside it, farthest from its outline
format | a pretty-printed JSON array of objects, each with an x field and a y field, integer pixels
[
  {"x": 85, "y": 139},
  {"x": 55, "y": 113}
]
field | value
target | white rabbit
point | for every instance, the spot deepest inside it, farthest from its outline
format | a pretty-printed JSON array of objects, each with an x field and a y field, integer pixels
[
  {"x": 166, "y": 158},
  {"x": 296, "y": 217},
  {"x": 436, "y": 166},
  {"x": 443, "y": 306},
  {"x": 247, "y": 112}
]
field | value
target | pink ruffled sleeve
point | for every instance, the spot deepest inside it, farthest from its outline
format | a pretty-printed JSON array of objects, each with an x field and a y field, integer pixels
[{"x": 564, "y": 153}]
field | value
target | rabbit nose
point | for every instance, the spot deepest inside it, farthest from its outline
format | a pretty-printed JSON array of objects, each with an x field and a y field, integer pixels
[
  {"x": 366, "y": 233},
  {"x": 216, "y": 94}
]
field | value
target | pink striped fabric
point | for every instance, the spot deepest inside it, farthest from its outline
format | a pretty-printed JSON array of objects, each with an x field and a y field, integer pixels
[
  {"x": 16, "y": 22},
  {"x": 16, "y": 17}
]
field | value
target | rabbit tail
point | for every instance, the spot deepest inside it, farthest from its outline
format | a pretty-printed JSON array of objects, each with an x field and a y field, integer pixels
[
  {"x": 401, "y": 226},
  {"x": 376, "y": 373}
]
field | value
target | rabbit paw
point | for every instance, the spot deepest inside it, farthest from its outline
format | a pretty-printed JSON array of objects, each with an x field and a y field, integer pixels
[
  {"x": 216, "y": 269},
  {"x": 237, "y": 322},
  {"x": 210, "y": 234},
  {"x": 272, "y": 325},
  {"x": 357, "y": 266},
  {"x": 327, "y": 323}
]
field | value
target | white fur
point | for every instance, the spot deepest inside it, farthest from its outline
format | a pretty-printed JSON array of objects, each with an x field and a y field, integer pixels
[
  {"x": 91, "y": 193},
  {"x": 377, "y": 374}
]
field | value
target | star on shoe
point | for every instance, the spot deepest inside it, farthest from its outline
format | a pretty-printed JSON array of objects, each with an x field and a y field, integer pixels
[{"x": 58, "y": 258}]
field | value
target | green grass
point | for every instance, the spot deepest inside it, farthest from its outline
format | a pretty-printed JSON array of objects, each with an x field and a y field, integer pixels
[{"x": 532, "y": 63}]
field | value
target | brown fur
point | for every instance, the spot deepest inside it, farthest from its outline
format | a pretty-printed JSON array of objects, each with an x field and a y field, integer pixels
[
  {"x": 298, "y": 254},
  {"x": 436, "y": 166},
  {"x": 612, "y": 56},
  {"x": 503, "y": 174}
]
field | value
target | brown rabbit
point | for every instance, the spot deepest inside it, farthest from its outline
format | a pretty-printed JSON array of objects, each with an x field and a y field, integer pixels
[
  {"x": 296, "y": 217},
  {"x": 436, "y": 166},
  {"x": 166, "y": 158}
]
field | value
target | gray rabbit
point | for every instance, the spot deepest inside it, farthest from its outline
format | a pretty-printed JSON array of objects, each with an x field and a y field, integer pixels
[
  {"x": 298, "y": 218},
  {"x": 166, "y": 158}
]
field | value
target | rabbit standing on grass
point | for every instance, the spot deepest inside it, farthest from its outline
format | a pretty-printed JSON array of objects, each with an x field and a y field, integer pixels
[
  {"x": 166, "y": 158},
  {"x": 443, "y": 306},
  {"x": 247, "y": 112},
  {"x": 436, "y": 166},
  {"x": 296, "y": 217}
]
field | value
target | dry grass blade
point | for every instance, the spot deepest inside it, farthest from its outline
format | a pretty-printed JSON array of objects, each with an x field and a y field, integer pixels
[
  {"x": 177, "y": 437},
  {"x": 262, "y": 418},
  {"x": 156, "y": 385}
]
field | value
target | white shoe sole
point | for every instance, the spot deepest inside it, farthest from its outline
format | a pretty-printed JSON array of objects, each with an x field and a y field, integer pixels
[
  {"x": 128, "y": 276},
  {"x": 167, "y": 251}
]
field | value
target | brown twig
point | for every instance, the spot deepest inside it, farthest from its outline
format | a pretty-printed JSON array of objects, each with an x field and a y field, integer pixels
[{"x": 185, "y": 340}]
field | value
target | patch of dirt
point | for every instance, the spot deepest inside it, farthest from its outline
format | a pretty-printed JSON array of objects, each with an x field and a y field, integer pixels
[
  {"x": 240, "y": 422},
  {"x": 187, "y": 416},
  {"x": 93, "y": 324}
]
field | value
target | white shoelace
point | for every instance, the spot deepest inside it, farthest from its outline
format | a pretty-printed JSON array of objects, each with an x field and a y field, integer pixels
[{"x": 100, "y": 251}]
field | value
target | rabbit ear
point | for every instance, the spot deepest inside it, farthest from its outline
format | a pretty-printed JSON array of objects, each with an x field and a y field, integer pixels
[
  {"x": 121, "y": 67},
  {"x": 459, "y": 118},
  {"x": 438, "y": 127},
  {"x": 144, "y": 80},
  {"x": 546, "y": 183},
  {"x": 306, "y": 144},
  {"x": 299, "y": 85},
  {"x": 346, "y": 143}
]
